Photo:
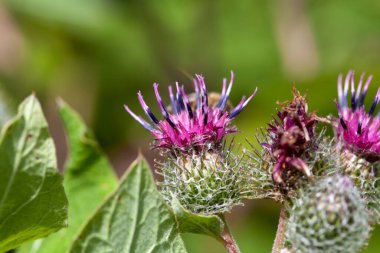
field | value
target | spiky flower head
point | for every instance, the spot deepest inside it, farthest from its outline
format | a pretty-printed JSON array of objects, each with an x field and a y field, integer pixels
[
  {"x": 358, "y": 136},
  {"x": 196, "y": 167},
  {"x": 206, "y": 183},
  {"x": 290, "y": 138},
  {"x": 198, "y": 127},
  {"x": 329, "y": 217},
  {"x": 262, "y": 161},
  {"x": 358, "y": 130}
]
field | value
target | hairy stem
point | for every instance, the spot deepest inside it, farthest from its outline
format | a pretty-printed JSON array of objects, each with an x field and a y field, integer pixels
[
  {"x": 279, "y": 241},
  {"x": 227, "y": 238}
]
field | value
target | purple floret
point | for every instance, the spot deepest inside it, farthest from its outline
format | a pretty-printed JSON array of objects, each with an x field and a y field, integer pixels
[
  {"x": 358, "y": 130},
  {"x": 187, "y": 126}
]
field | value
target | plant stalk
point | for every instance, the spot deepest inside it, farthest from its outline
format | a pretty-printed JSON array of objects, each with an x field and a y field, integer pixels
[
  {"x": 227, "y": 238},
  {"x": 279, "y": 241}
]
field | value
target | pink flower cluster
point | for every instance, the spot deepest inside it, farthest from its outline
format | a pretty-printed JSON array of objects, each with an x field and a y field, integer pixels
[
  {"x": 191, "y": 125},
  {"x": 358, "y": 130}
]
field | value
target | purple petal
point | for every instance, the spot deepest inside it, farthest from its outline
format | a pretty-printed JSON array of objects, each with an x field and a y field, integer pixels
[
  {"x": 227, "y": 94},
  {"x": 180, "y": 103},
  {"x": 147, "y": 110},
  {"x": 340, "y": 90},
  {"x": 353, "y": 101},
  {"x": 237, "y": 109},
  {"x": 365, "y": 91},
  {"x": 299, "y": 164},
  {"x": 375, "y": 102},
  {"x": 162, "y": 106},
  {"x": 359, "y": 87},
  {"x": 346, "y": 86},
  {"x": 243, "y": 103},
  {"x": 172, "y": 100},
  {"x": 145, "y": 124}
]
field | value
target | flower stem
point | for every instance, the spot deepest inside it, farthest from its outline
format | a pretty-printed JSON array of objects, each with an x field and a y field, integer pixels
[
  {"x": 279, "y": 241},
  {"x": 227, "y": 238}
]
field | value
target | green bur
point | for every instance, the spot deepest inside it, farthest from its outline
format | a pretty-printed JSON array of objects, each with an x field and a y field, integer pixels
[
  {"x": 329, "y": 217},
  {"x": 206, "y": 183}
]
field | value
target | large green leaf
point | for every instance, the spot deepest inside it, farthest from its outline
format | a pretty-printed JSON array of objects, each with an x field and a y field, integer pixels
[
  {"x": 188, "y": 222},
  {"x": 133, "y": 219},
  {"x": 32, "y": 200},
  {"x": 88, "y": 179}
]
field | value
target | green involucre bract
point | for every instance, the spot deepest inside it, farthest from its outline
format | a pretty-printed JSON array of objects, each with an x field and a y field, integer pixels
[
  {"x": 206, "y": 183},
  {"x": 363, "y": 174}
]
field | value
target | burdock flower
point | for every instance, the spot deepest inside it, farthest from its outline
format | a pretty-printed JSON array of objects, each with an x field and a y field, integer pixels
[
  {"x": 289, "y": 139},
  {"x": 186, "y": 127},
  {"x": 198, "y": 170},
  {"x": 358, "y": 135},
  {"x": 358, "y": 129}
]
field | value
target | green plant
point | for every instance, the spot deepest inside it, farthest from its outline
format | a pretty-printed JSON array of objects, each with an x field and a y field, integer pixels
[{"x": 328, "y": 188}]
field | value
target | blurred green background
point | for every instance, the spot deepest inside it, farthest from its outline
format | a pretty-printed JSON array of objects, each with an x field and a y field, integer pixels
[{"x": 97, "y": 54}]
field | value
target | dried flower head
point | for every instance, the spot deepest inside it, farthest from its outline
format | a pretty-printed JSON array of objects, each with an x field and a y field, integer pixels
[
  {"x": 262, "y": 162},
  {"x": 290, "y": 138},
  {"x": 191, "y": 128},
  {"x": 329, "y": 217},
  {"x": 358, "y": 129}
]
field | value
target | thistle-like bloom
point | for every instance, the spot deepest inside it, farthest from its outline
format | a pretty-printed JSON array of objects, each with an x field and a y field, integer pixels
[
  {"x": 290, "y": 137},
  {"x": 358, "y": 130},
  {"x": 188, "y": 127}
]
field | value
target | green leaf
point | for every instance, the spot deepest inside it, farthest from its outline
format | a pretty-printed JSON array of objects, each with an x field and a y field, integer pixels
[
  {"x": 188, "y": 222},
  {"x": 133, "y": 219},
  {"x": 32, "y": 199},
  {"x": 89, "y": 178}
]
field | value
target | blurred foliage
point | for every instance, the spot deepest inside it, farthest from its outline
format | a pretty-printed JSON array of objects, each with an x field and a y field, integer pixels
[{"x": 97, "y": 54}]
